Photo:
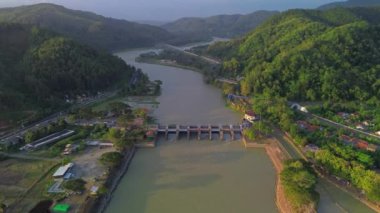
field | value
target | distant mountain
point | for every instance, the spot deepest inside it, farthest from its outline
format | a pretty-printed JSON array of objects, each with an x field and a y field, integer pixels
[
  {"x": 310, "y": 55},
  {"x": 226, "y": 26},
  {"x": 86, "y": 27},
  {"x": 39, "y": 68},
  {"x": 152, "y": 22},
  {"x": 351, "y": 3}
]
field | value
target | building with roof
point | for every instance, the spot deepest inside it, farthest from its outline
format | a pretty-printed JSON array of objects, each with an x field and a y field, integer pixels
[
  {"x": 63, "y": 170},
  {"x": 307, "y": 126},
  {"x": 61, "y": 208},
  {"x": 372, "y": 148},
  {"x": 251, "y": 116}
]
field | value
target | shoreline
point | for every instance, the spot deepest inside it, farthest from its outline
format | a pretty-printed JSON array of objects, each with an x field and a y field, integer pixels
[
  {"x": 277, "y": 156},
  {"x": 349, "y": 190},
  {"x": 106, "y": 199}
]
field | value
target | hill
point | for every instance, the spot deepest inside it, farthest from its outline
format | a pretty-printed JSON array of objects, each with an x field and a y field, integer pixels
[
  {"x": 351, "y": 3},
  {"x": 39, "y": 69},
  {"x": 310, "y": 55},
  {"x": 225, "y": 26},
  {"x": 85, "y": 27}
]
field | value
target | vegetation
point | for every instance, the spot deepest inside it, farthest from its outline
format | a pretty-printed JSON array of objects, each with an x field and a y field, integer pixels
[
  {"x": 357, "y": 112},
  {"x": 351, "y": 166},
  {"x": 85, "y": 27},
  {"x": 75, "y": 185},
  {"x": 225, "y": 26},
  {"x": 39, "y": 69},
  {"x": 33, "y": 135},
  {"x": 111, "y": 159},
  {"x": 311, "y": 55},
  {"x": 177, "y": 58},
  {"x": 299, "y": 181}
]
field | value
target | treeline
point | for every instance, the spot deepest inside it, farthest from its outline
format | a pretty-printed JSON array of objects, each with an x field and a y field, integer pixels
[
  {"x": 299, "y": 181},
  {"x": 344, "y": 163},
  {"x": 41, "y": 69},
  {"x": 38, "y": 133},
  {"x": 311, "y": 55},
  {"x": 88, "y": 28}
]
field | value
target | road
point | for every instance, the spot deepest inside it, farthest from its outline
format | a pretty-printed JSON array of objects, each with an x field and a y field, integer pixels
[
  {"x": 211, "y": 60},
  {"x": 338, "y": 125},
  {"x": 52, "y": 118}
]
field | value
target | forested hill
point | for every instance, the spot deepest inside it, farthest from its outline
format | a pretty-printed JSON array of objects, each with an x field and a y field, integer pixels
[
  {"x": 39, "y": 68},
  {"x": 226, "y": 26},
  {"x": 311, "y": 55},
  {"x": 351, "y": 3},
  {"x": 85, "y": 27}
]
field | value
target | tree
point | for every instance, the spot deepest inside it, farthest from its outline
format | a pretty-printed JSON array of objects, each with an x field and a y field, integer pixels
[
  {"x": 228, "y": 88},
  {"x": 114, "y": 133},
  {"x": 75, "y": 185},
  {"x": 30, "y": 136},
  {"x": 299, "y": 183},
  {"x": 111, "y": 159}
]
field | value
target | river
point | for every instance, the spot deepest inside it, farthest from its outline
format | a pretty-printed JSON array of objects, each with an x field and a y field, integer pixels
[{"x": 202, "y": 176}]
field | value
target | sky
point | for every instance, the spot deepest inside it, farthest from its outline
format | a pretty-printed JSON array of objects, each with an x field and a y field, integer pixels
[{"x": 167, "y": 10}]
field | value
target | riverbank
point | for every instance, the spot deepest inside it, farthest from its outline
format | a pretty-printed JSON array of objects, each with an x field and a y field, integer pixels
[
  {"x": 277, "y": 157},
  {"x": 159, "y": 62},
  {"x": 349, "y": 190},
  {"x": 105, "y": 200}
]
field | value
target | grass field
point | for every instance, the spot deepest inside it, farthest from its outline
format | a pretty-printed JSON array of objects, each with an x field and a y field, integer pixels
[{"x": 17, "y": 176}]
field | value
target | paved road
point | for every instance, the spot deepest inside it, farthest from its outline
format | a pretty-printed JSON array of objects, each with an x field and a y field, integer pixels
[
  {"x": 52, "y": 118},
  {"x": 338, "y": 125},
  {"x": 211, "y": 60}
]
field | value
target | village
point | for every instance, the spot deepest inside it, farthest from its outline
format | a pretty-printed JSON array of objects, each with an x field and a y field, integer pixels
[{"x": 73, "y": 158}]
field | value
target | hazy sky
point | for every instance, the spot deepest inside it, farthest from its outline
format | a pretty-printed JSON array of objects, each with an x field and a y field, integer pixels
[{"x": 172, "y": 9}]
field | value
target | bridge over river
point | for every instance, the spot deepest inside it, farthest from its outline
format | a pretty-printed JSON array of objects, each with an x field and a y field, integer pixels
[{"x": 177, "y": 129}]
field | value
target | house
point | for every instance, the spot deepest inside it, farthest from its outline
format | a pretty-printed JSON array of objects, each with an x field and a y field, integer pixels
[
  {"x": 343, "y": 115},
  {"x": 307, "y": 126},
  {"x": 361, "y": 144},
  {"x": 61, "y": 171},
  {"x": 360, "y": 126},
  {"x": 347, "y": 140},
  {"x": 311, "y": 148},
  {"x": 150, "y": 134},
  {"x": 372, "y": 148},
  {"x": 251, "y": 116}
]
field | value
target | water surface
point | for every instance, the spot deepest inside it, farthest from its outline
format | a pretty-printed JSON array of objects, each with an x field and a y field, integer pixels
[{"x": 203, "y": 176}]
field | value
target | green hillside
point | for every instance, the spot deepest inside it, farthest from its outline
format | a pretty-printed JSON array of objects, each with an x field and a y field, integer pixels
[
  {"x": 225, "y": 26},
  {"x": 351, "y": 3},
  {"x": 85, "y": 27},
  {"x": 311, "y": 55},
  {"x": 38, "y": 69}
]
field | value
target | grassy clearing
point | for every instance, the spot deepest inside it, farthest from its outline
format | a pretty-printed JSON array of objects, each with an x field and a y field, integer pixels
[{"x": 17, "y": 176}]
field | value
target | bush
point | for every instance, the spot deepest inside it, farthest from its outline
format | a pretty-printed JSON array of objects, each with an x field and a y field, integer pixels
[
  {"x": 299, "y": 183},
  {"x": 76, "y": 185},
  {"x": 111, "y": 159}
]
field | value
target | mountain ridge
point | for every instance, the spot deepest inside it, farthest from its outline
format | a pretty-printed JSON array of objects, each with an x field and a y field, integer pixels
[
  {"x": 351, "y": 3},
  {"x": 226, "y": 26},
  {"x": 87, "y": 27}
]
